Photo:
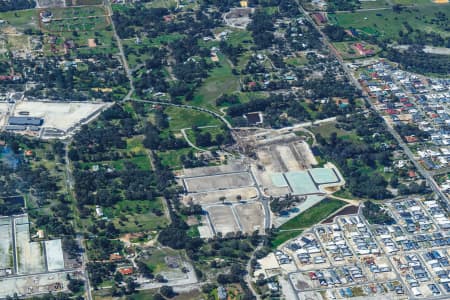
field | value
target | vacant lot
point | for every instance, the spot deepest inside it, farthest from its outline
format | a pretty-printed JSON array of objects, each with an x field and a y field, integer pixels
[
  {"x": 251, "y": 216},
  {"x": 213, "y": 170},
  {"x": 222, "y": 219},
  {"x": 60, "y": 115},
  {"x": 30, "y": 254},
  {"x": 218, "y": 182},
  {"x": 246, "y": 193},
  {"x": 5, "y": 243}
]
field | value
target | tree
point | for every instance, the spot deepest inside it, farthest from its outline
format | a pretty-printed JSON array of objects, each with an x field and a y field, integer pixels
[
  {"x": 131, "y": 285},
  {"x": 75, "y": 285},
  {"x": 167, "y": 291}
]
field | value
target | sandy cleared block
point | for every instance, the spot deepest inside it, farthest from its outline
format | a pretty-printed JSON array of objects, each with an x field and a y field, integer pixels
[
  {"x": 222, "y": 219},
  {"x": 218, "y": 182},
  {"x": 288, "y": 158},
  {"x": 205, "y": 171},
  {"x": 5, "y": 243},
  {"x": 251, "y": 216},
  {"x": 54, "y": 254},
  {"x": 60, "y": 115},
  {"x": 30, "y": 254},
  {"x": 247, "y": 193},
  {"x": 23, "y": 285}
]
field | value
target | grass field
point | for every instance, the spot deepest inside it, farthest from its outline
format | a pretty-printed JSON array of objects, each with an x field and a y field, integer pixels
[
  {"x": 136, "y": 216},
  {"x": 156, "y": 260},
  {"x": 21, "y": 19},
  {"x": 219, "y": 81},
  {"x": 374, "y": 4},
  {"x": 180, "y": 118},
  {"x": 171, "y": 158},
  {"x": 306, "y": 219},
  {"x": 162, "y": 3},
  {"x": 387, "y": 23},
  {"x": 326, "y": 129}
]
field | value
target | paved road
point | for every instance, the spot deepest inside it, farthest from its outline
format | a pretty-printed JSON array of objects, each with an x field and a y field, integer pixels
[
  {"x": 83, "y": 268},
  {"x": 122, "y": 53}
]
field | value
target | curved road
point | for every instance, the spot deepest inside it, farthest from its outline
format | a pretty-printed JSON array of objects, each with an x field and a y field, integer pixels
[{"x": 197, "y": 108}]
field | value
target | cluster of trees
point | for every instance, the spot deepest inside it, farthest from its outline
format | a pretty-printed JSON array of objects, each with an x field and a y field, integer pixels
[
  {"x": 421, "y": 37},
  {"x": 359, "y": 159},
  {"x": 411, "y": 129},
  {"x": 204, "y": 139},
  {"x": 72, "y": 83},
  {"x": 334, "y": 32},
  {"x": 375, "y": 214},
  {"x": 227, "y": 99},
  {"x": 278, "y": 205},
  {"x": 280, "y": 110},
  {"x": 8, "y": 5},
  {"x": 340, "y": 5},
  {"x": 154, "y": 140},
  {"x": 273, "y": 107},
  {"x": 414, "y": 59},
  {"x": 99, "y": 272},
  {"x": 262, "y": 29}
]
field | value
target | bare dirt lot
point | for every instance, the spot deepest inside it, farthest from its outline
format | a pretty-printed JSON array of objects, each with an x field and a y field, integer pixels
[
  {"x": 222, "y": 219},
  {"x": 218, "y": 182},
  {"x": 59, "y": 115},
  {"x": 246, "y": 193},
  {"x": 237, "y": 166},
  {"x": 251, "y": 216},
  {"x": 238, "y": 17}
]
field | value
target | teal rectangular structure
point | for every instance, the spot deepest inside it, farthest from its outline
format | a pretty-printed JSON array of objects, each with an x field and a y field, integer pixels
[
  {"x": 301, "y": 183},
  {"x": 324, "y": 175}
]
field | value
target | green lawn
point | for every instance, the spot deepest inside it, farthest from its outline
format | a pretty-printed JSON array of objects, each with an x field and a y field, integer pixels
[
  {"x": 21, "y": 19},
  {"x": 387, "y": 23},
  {"x": 161, "y": 3},
  {"x": 180, "y": 118},
  {"x": 284, "y": 236},
  {"x": 374, "y": 4},
  {"x": 136, "y": 216},
  {"x": 219, "y": 81},
  {"x": 171, "y": 158},
  {"x": 156, "y": 260},
  {"x": 306, "y": 219},
  {"x": 326, "y": 129}
]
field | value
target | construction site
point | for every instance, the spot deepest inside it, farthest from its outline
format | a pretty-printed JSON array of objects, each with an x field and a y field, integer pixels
[
  {"x": 58, "y": 119},
  {"x": 236, "y": 196},
  {"x": 29, "y": 267}
]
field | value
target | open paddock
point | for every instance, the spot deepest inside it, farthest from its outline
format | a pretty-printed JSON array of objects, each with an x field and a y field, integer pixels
[
  {"x": 251, "y": 216},
  {"x": 222, "y": 219},
  {"x": 218, "y": 182},
  {"x": 246, "y": 193}
]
